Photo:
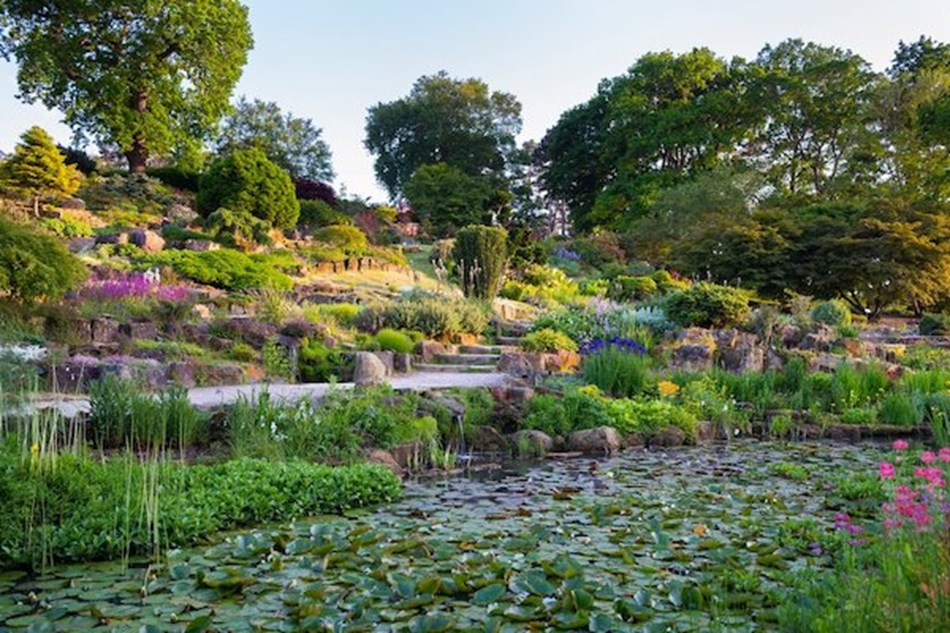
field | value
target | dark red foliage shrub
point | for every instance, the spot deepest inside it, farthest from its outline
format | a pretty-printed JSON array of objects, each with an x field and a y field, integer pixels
[{"x": 308, "y": 189}]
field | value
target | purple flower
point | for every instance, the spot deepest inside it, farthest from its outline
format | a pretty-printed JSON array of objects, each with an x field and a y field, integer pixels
[{"x": 626, "y": 345}]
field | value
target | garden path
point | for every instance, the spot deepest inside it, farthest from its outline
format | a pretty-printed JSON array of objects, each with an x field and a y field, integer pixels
[{"x": 212, "y": 397}]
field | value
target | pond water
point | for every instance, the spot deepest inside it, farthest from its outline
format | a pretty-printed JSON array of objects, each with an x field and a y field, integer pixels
[{"x": 701, "y": 538}]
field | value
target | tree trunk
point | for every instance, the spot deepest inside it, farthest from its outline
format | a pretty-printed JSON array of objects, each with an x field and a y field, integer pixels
[
  {"x": 36, "y": 206},
  {"x": 138, "y": 154}
]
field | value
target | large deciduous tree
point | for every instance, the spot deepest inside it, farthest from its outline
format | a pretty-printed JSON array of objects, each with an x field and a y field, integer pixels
[
  {"x": 445, "y": 199},
  {"x": 146, "y": 76},
  {"x": 458, "y": 122},
  {"x": 291, "y": 142}
]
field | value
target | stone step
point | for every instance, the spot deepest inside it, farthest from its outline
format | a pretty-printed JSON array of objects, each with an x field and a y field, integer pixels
[
  {"x": 459, "y": 369},
  {"x": 467, "y": 359},
  {"x": 514, "y": 341},
  {"x": 485, "y": 349}
]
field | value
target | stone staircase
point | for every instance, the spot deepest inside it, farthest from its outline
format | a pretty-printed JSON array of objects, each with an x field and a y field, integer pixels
[{"x": 466, "y": 359}]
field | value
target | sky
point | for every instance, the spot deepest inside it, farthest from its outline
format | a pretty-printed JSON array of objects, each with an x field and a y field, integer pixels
[{"x": 331, "y": 60}]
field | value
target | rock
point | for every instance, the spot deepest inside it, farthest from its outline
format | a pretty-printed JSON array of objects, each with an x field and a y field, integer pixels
[
  {"x": 692, "y": 357},
  {"x": 844, "y": 432},
  {"x": 220, "y": 374},
  {"x": 669, "y": 436},
  {"x": 201, "y": 246},
  {"x": 821, "y": 338},
  {"x": 181, "y": 213},
  {"x": 518, "y": 395},
  {"x": 431, "y": 400},
  {"x": 603, "y": 439},
  {"x": 739, "y": 351},
  {"x": 368, "y": 369},
  {"x": 428, "y": 350},
  {"x": 73, "y": 204},
  {"x": 385, "y": 458},
  {"x": 298, "y": 328},
  {"x": 532, "y": 442},
  {"x": 81, "y": 244},
  {"x": 773, "y": 360},
  {"x": 825, "y": 362},
  {"x": 105, "y": 330},
  {"x": 112, "y": 238},
  {"x": 387, "y": 359},
  {"x": 203, "y": 311},
  {"x": 402, "y": 363},
  {"x": 148, "y": 241},
  {"x": 140, "y": 330},
  {"x": 705, "y": 432},
  {"x": 488, "y": 439},
  {"x": 790, "y": 335},
  {"x": 515, "y": 364}
]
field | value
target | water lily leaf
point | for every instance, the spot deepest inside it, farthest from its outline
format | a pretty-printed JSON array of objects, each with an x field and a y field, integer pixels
[
  {"x": 436, "y": 623},
  {"x": 199, "y": 625},
  {"x": 489, "y": 594}
]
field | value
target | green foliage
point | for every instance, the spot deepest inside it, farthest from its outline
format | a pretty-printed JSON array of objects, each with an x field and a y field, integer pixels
[
  {"x": 547, "y": 340},
  {"x": 37, "y": 169},
  {"x": 91, "y": 509},
  {"x": 318, "y": 363},
  {"x": 542, "y": 285},
  {"x": 445, "y": 198},
  {"x": 319, "y": 213},
  {"x": 67, "y": 226},
  {"x": 34, "y": 266},
  {"x": 290, "y": 142},
  {"x": 647, "y": 417},
  {"x": 899, "y": 409},
  {"x": 178, "y": 177},
  {"x": 348, "y": 240},
  {"x": 708, "y": 305},
  {"x": 434, "y": 316},
  {"x": 246, "y": 182},
  {"x": 617, "y": 372},
  {"x": 833, "y": 313},
  {"x": 394, "y": 341},
  {"x": 225, "y": 268},
  {"x": 576, "y": 410},
  {"x": 237, "y": 228},
  {"x": 932, "y": 325},
  {"x": 481, "y": 255},
  {"x": 460, "y": 121},
  {"x": 627, "y": 288},
  {"x": 148, "y": 94},
  {"x": 343, "y": 313}
]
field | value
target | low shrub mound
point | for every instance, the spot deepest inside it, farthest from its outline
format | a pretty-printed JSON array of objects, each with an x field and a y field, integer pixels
[
  {"x": 225, "y": 268},
  {"x": 708, "y": 305}
]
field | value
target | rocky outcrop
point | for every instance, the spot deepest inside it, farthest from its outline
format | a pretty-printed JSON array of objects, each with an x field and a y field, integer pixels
[
  {"x": 669, "y": 436},
  {"x": 532, "y": 442},
  {"x": 385, "y": 458},
  {"x": 368, "y": 369},
  {"x": 148, "y": 241}
]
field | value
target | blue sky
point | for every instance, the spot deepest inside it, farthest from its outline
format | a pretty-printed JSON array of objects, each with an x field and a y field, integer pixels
[{"x": 330, "y": 60}]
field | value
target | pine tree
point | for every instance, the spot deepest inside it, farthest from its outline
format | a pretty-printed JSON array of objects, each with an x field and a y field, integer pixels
[{"x": 38, "y": 169}]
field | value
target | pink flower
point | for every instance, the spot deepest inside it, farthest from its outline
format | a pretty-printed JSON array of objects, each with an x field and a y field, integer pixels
[
  {"x": 887, "y": 470},
  {"x": 890, "y": 524},
  {"x": 900, "y": 445},
  {"x": 927, "y": 457},
  {"x": 944, "y": 454},
  {"x": 933, "y": 475}
]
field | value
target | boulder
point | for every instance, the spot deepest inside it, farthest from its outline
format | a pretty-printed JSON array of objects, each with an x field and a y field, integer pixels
[
  {"x": 705, "y": 432},
  {"x": 532, "y": 442},
  {"x": 603, "y": 439},
  {"x": 821, "y": 338},
  {"x": 385, "y": 458},
  {"x": 148, "y": 241},
  {"x": 112, "y": 238},
  {"x": 692, "y": 357},
  {"x": 73, "y": 204},
  {"x": 739, "y": 351},
  {"x": 402, "y": 363},
  {"x": 428, "y": 350},
  {"x": 790, "y": 335},
  {"x": 81, "y": 244},
  {"x": 387, "y": 359},
  {"x": 203, "y": 311},
  {"x": 516, "y": 364},
  {"x": 408, "y": 455},
  {"x": 200, "y": 246},
  {"x": 105, "y": 330},
  {"x": 181, "y": 213},
  {"x": 368, "y": 369},
  {"x": 489, "y": 440},
  {"x": 669, "y": 436},
  {"x": 140, "y": 330},
  {"x": 222, "y": 374}
]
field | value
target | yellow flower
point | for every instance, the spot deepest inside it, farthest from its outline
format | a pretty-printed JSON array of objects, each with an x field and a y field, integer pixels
[
  {"x": 35, "y": 449},
  {"x": 667, "y": 388}
]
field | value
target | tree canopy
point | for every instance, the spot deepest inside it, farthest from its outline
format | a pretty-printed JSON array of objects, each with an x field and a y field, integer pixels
[
  {"x": 291, "y": 142},
  {"x": 38, "y": 169},
  {"x": 458, "y": 122},
  {"x": 146, "y": 76}
]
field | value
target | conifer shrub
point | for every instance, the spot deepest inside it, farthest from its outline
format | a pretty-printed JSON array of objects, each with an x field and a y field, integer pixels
[
  {"x": 247, "y": 182},
  {"x": 481, "y": 254},
  {"x": 34, "y": 266}
]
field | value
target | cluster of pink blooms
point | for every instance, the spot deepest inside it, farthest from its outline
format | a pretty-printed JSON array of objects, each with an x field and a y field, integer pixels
[
  {"x": 912, "y": 506},
  {"x": 134, "y": 286}
]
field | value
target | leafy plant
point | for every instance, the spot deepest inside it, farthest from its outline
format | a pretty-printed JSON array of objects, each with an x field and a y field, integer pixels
[
  {"x": 394, "y": 341},
  {"x": 834, "y": 313},
  {"x": 34, "y": 266},
  {"x": 547, "y": 340},
  {"x": 708, "y": 305},
  {"x": 247, "y": 183}
]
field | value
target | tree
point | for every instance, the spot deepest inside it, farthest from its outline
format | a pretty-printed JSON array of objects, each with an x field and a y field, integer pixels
[
  {"x": 481, "y": 255},
  {"x": 247, "y": 182},
  {"x": 812, "y": 105},
  {"x": 147, "y": 75},
  {"x": 38, "y": 169},
  {"x": 34, "y": 266},
  {"x": 292, "y": 143},
  {"x": 443, "y": 120},
  {"x": 445, "y": 199}
]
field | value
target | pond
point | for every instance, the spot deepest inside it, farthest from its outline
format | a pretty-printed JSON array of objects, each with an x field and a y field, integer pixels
[{"x": 701, "y": 538}]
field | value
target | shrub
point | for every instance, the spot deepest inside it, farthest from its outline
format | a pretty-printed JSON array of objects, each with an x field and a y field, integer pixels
[
  {"x": 627, "y": 288},
  {"x": 436, "y": 317},
  {"x": 577, "y": 410},
  {"x": 665, "y": 282},
  {"x": 933, "y": 325},
  {"x": 67, "y": 226},
  {"x": 187, "y": 179},
  {"x": 650, "y": 416},
  {"x": 247, "y": 182},
  {"x": 319, "y": 213},
  {"x": 481, "y": 254},
  {"x": 318, "y": 363},
  {"x": 347, "y": 239},
  {"x": 309, "y": 189},
  {"x": 227, "y": 269},
  {"x": 834, "y": 313},
  {"x": 708, "y": 305},
  {"x": 394, "y": 341},
  {"x": 34, "y": 266},
  {"x": 547, "y": 340},
  {"x": 37, "y": 169},
  {"x": 236, "y": 228}
]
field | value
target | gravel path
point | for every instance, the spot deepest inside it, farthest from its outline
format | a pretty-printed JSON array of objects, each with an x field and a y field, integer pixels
[{"x": 212, "y": 397}]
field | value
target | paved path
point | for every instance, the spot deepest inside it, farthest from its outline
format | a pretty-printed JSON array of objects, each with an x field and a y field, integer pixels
[{"x": 212, "y": 397}]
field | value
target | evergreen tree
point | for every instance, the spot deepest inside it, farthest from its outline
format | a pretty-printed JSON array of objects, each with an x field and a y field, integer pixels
[{"x": 38, "y": 169}]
